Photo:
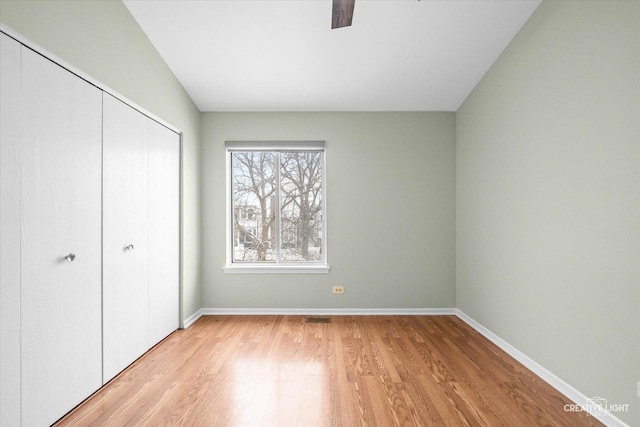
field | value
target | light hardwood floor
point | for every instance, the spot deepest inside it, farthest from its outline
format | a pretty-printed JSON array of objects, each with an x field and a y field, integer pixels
[{"x": 357, "y": 370}]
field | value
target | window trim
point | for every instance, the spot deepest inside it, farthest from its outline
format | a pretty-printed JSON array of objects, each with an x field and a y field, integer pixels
[{"x": 265, "y": 267}]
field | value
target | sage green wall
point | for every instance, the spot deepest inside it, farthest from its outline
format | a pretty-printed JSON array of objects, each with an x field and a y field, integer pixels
[
  {"x": 390, "y": 211},
  {"x": 548, "y": 197},
  {"x": 102, "y": 39}
]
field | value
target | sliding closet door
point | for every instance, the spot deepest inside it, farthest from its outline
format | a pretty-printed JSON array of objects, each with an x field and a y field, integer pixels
[
  {"x": 125, "y": 236},
  {"x": 164, "y": 229},
  {"x": 9, "y": 232},
  {"x": 61, "y": 239}
]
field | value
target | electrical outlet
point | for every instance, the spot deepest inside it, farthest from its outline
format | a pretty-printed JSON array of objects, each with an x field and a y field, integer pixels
[{"x": 338, "y": 289}]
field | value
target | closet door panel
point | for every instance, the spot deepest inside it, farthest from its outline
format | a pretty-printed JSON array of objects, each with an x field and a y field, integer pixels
[
  {"x": 61, "y": 216},
  {"x": 164, "y": 229},
  {"x": 9, "y": 232},
  {"x": 125, "y": 236}
]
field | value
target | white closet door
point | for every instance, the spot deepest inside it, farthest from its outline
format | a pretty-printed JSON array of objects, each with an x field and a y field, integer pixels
[
  {"x": 61, "y": 212},
  {"x": 125, "y": 236},
  {"x": 164, "y": 229},
  {"x": 9, "y": 232}
]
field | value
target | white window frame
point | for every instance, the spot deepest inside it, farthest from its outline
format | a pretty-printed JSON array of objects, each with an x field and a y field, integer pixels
[{"x": 273, "y": 267}]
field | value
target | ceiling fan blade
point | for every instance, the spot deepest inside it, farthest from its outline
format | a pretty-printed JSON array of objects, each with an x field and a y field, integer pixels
[{"x": 342, "y": 13}]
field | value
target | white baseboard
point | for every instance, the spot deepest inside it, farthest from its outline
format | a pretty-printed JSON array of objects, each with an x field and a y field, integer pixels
[
  {"x": 330, "y": 311},
  {"x": 191, "y": 319},
  {"x": 563, "y": 387},
  {"x": 570, "y": 392},
  {"x": 318, "y": 312}
]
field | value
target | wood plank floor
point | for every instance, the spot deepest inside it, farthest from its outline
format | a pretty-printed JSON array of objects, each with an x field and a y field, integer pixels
[{"x": 357, "y": 370}]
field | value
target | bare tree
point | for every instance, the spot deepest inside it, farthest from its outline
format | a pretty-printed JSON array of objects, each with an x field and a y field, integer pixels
[
  {"x": 301, "y": 200},
  {"x": 257, "y": 178},
  {"x": 254, "y": 183}
]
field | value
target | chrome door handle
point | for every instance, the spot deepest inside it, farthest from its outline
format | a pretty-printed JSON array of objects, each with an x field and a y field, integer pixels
[
  {"x": 128, "y": 248},
  {"x": 70, "y": 257}
]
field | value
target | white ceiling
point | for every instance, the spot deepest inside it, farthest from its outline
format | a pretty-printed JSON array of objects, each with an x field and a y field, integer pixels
[{"x": 266, "y": 55}]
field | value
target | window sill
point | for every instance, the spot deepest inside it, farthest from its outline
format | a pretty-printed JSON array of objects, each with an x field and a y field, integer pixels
[{"x": 276, "y": 269}]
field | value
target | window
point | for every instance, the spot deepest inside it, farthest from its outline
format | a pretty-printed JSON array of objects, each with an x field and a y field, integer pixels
[{"x": 276, "y": 214}]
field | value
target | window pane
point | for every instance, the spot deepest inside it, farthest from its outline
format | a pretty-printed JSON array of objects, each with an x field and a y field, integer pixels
[
  {"x": 301, "y": 206},
  {"x": 254, "y": 198}
]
